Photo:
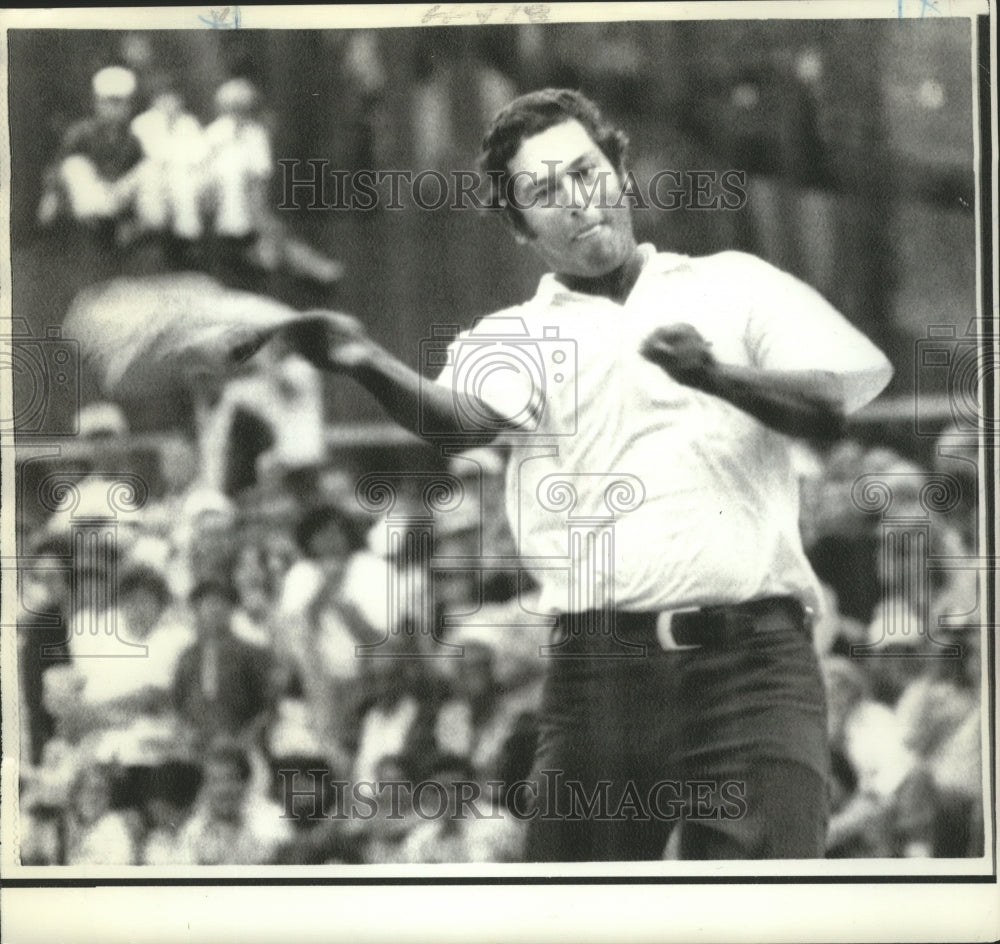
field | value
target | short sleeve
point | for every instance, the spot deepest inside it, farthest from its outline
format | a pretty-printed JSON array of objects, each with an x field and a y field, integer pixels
[
  {"x": 492, "y": 364},
  {"x": 792, "y": 327}
]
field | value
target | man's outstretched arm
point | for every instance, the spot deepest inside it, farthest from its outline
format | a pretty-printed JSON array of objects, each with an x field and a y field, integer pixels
[
  {"x": 804, "y": 403},
  {"x": 337, "y": 342}
]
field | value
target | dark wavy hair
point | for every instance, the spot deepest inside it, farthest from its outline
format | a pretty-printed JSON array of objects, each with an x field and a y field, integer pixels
[
  {"x": 316, "y": 519},
  {"x": 145, "y": 578},
  {"x": 531, "y": 114}
]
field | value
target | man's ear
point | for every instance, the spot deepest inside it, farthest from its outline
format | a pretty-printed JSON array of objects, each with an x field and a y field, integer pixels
[{"x": 517, "y": 227}]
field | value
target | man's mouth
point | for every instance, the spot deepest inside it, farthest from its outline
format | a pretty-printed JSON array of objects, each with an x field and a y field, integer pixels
[{"x": 588, "y": 232}]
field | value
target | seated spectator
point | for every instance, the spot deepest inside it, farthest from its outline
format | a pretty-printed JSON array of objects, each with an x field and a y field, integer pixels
[
  {"x": 334, "y": 544},
  {"x": 112, "y": 678},
  {"x": 257, "y": 595},
  {"x": 206, "y": 537},
  {"x": 479, "y": 716},
  {"x": 44, "y": 796},
  {"x": 168, "y": 794},
  {"x": 267, "y": 423},
  {"x": 493, "y": 609},
  {"x": 383, "y": 837},
  {"x": 89, "y": 180},
  {"x": 127, "y": 685},
  {"x": 222, "y": 685},
  {"x": 940, "y": 715},
  {"x": 321, "y": 830},
  {"x": 95, "y": 833},
  {"x": 936, "y": 702},
  {"x": 448, "y": 834},
  {"x": 42, "y": 631},
  {"x": 238, "y": 166},
  {"x": 229, "y": 825},
  {"x": 323, "y": 615},
  {"x": 169, "y": 184},
  {"x": 928, "y": 823},
  {"x": 869, "y": 756},
  {"x": 397, "y": 709}
]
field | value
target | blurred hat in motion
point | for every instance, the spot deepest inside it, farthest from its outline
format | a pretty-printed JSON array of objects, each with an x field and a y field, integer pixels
[{"x": 114, "y": 82}]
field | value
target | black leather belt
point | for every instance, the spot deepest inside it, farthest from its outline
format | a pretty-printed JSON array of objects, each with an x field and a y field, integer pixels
[{"x": 712, "y": 626}]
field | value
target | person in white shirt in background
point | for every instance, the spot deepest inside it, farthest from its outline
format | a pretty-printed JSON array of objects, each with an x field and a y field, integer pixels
[
  {"x": 451, "y": 833},
  {"x": 249, "y": 243},
  {"x": 233, "y": 822},
  {"x": 169, "y": 181},
  {"x": 282, "y": 393},
  {"x": 332, "y": 602},
  {"x": 239, "y": 166},
  {"x": 95, "y": 833},
  {"x": 91, "y": 176}
]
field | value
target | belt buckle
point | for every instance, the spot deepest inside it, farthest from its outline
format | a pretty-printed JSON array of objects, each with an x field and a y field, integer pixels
[{"x": 665, "y": 633}]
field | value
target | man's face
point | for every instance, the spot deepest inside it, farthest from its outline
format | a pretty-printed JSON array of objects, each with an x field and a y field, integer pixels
[
  {"x": 142, "y": 608},
  {"x": 569, "y": 196},
  {"x": 112, "y": 109}
]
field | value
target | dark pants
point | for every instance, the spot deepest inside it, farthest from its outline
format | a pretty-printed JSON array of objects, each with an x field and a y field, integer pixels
[{"x": 726, "y": 743}]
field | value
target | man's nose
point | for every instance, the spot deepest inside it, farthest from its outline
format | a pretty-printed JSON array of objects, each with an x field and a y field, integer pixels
[{"x": 571, "y": 196}]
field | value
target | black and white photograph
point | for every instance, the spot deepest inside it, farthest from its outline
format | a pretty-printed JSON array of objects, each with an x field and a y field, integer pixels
[{"x": 500, "y": 443}]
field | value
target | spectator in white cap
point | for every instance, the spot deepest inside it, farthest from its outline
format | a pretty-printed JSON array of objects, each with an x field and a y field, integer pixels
[
  {"x": 239, "y": 166},
  {"x": 113, "y": 88},
  {"x": 95, "y": 158}
]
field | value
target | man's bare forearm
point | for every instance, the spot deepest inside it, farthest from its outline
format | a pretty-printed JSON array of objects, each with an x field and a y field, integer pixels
[
  {"x": 806, "y": 404},
  {"x": 416, "y": 403},
  {"x": 338, "y": 343}
]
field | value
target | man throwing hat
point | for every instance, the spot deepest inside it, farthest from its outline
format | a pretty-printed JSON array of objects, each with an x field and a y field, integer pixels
[{"x": 647, "y": 401}]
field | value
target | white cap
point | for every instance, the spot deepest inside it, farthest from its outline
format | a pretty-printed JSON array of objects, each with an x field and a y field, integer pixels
[
  {"x": 114, "y": 82},
  {"x": 236, "y": 95}
]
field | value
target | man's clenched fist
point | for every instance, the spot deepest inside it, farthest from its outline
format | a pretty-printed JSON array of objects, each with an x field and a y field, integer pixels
[
  {"x": 682, "y": 352},
  {"x": 330, "y": 340}
]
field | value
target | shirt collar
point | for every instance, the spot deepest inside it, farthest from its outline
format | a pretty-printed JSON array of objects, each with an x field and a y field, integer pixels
[{"x": 552, "y": 291}]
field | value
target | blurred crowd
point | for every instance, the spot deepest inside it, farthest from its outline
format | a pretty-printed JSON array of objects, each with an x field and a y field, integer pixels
[
  {"x": 242, "y": 658},
  {"x": 252, "y": 654},
  {"x": 155, "y": 190},
  {"x": 259, "y": 639},
  {"x": 900, "y": 650}
]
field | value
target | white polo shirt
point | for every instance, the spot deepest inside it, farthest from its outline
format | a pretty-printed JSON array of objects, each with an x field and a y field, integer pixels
[{"x": 708, "y": 512}]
